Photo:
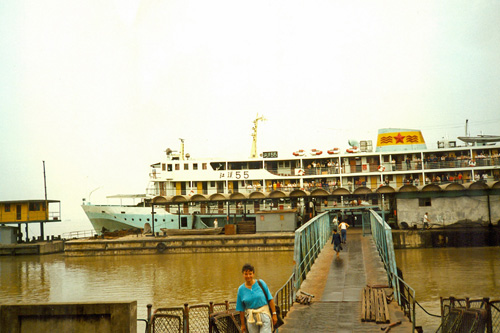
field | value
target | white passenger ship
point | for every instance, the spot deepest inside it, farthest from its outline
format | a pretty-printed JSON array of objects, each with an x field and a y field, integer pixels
[{"x": 186, "y": 193}]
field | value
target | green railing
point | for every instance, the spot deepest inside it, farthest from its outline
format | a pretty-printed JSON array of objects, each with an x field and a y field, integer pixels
[
  {"x": 309, "y": 241},
  {"x": 403, "y": 293}
]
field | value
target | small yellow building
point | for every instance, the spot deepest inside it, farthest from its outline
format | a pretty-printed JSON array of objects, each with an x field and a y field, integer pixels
[{"x": 30, "y": 211}]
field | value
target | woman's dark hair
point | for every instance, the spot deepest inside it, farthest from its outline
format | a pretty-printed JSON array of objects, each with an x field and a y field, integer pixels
[{"x": 247, "y": 267}]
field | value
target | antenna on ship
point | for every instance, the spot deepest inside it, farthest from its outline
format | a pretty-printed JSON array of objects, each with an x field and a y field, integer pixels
[
  {"x": 253, "y": 153},
  {"x": 182, "y": 148}
]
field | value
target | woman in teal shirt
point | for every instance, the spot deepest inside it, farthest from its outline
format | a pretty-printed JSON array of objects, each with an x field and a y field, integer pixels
[{"x": 252, "y": 302}]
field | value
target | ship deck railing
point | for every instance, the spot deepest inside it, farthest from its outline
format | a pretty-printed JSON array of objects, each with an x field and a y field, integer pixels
[
  {"x": 311, "y": 186},
  {"x": 414, "y": 165}
]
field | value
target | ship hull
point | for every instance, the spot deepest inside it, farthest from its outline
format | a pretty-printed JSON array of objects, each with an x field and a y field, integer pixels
[{"x": 113, "y": 218}]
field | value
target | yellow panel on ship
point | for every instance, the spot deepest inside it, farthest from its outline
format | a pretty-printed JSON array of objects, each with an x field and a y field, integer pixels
[{"x": 400, "y": 139}]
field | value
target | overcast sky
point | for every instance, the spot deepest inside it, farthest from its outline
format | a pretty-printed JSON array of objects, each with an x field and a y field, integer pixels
[{"x": 99, "y": 89}]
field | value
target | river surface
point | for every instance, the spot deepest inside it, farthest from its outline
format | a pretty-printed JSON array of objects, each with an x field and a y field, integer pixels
[
  {"x": 161, "y": 280},
  {"x": 472, "y": 272},
  {"x": 174, "y": 279}
]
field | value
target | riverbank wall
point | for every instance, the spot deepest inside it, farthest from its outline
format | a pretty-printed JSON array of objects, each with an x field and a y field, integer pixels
[
  {"x": 446, "y": 237},
  {"x": 32, "y": 248},
  {"x": 131, "y": 245}
]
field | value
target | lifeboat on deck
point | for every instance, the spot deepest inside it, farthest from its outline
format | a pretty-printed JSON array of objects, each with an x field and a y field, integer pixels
[
  {"x": 316, "y": 152},
  {"x": 299, "y": 152},
  {"x": 333, "y": 151}
]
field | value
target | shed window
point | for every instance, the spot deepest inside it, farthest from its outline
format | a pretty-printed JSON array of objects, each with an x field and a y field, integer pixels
[
  {"x": 34, "y": 206},
  {"x": 424, "y": 202}
]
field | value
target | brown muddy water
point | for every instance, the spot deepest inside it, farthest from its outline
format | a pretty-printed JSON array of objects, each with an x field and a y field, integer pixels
[
  {"x": 161, "y": 280},
  {"x": 175, "y": 279},
  {"x": 460, "y": 272}
]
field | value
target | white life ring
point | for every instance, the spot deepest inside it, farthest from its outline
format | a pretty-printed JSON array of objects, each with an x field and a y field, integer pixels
[
  {"x": 381, "y": 168},
  {"x": 472, "y": 163},
  {"x": 299, "y": 152},
  {"x": 301, "y": 172},
  {"x": 191, "y": 193},
  {"x": 353, "y": 149},
  {"x": 316, "y": 152},
  {"x": 333, "y": 151}
]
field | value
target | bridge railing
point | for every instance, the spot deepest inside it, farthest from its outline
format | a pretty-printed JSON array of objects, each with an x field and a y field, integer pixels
[
  {"x": 403, "y": 293},
  {"x": 309, "y": 241}
]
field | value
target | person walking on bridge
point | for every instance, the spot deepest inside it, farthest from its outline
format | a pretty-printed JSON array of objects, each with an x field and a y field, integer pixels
[
  {"x": 336, "y": 241},
  {"x": 335, "y": 223},
  {"x": 343, "y": 231}
]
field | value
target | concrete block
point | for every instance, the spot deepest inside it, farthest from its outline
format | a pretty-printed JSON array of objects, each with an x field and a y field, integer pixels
[{"x": 120, "y": 317}]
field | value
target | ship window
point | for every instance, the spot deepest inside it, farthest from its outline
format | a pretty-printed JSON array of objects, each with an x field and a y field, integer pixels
[
  {"x": 123, "y": 212},
  {"x": 103, "y": 212},
  {"x": 177, "y": 167},
  {"x": 34, "y": 206},
  {"x": 163, "y": 220},
  {"x": 204, "y": 166},
  {"x": 212, "y": 184},
  {"x": 132, "y": 219},
  {"x": 140, "y": 219},
  {"x": 195, "y": 166},
  {"x": 147, "y": 220},
  {"x": 7, "y": 207},
  {"x": 169, "y": 167},
  {"x": 125, "y": 219},
  {"x": 424, "y": 202},
  {"x": 163, "y": 167},
  {"x": 156, "y": 220},
  {"x": 186, "y": 166}
]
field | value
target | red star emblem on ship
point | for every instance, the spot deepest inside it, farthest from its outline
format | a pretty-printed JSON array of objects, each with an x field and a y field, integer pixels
[{"x": 399, "y": 138}]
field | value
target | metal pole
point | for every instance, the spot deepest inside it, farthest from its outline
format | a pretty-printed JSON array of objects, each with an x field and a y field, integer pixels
[
  {"x": 179, "y": 214},
  {"x": 153, "y": 218},
  {"x": 46, "y": 204},
  {"x": 383, "y": 209}
]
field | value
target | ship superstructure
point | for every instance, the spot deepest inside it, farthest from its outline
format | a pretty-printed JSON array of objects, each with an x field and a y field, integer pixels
[{"x": 186, "y": 193}]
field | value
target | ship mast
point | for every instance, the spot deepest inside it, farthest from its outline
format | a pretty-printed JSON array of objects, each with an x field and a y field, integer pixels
[
  {"x": 182, "y": 148},
  {"x": 253, "y": 153}
]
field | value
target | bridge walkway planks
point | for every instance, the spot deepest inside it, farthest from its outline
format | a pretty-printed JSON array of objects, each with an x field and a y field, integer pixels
[{"x": 337, "y": 284}]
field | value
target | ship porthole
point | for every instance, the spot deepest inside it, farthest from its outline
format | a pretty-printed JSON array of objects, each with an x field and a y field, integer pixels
[{"x": 161, "y": 247}]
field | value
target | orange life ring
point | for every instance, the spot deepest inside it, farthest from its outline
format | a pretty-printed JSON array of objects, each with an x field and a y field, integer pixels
[
  {"x": 301, "y": 172},
  {"x": 299, "y": 152},
  {"x": 381, "y": 168}
]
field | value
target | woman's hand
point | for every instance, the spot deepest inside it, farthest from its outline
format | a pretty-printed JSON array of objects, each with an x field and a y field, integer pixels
[{"x": 275, "y": 319}]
